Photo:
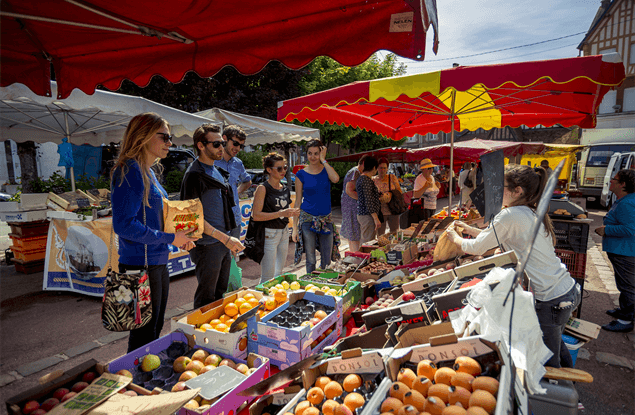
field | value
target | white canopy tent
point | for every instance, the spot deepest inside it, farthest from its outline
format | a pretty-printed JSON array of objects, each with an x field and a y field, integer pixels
[
  {"x": 261, "y": 130},
  {"x": 95, "y": 119}
]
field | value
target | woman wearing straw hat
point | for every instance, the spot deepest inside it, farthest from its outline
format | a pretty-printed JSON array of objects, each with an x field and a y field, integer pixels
[{"x": 426, "y": 188}]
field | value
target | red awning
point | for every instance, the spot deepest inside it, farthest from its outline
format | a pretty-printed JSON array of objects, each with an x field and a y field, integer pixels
[
  {"x": 104, "y": 42},
  {"x": 472, "y": 150},
  {"x": 562, "y": 91}
]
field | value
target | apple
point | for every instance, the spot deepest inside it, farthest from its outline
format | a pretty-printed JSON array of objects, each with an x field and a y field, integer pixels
[
  {"x": 200, "y": 354},
  {"x": 124, "y": 372},
  {"x": 59, "y": 394},
  {"x": 192, "y": 404},
  {"x": 227, "y": 362},
  {"x": 369, "y": 300},
  {"x": 207, "y": 368},
  {"x": 314, "y": 344},
  {"x": 408, "y": 296},
  {"x": 242, "y": 368},
  {"x": 187, "y": 375},
  {"x": 39, "y": 412},
  {"x": 314, "y": 321},
  {"x": 180, "y": 386},
  {"x": 451, "y": 265},
  {"x": 251, "y": 370},
  {"x": 79, "y": 386},
  {"x": 213, "y": 360},
  {"x": 130, "y": 393},
  {"x": 195, "y": 366},
  {"x": 69, "y": 395},
  {"x": 180, "y": 364},
  {"x": 89, "y": 377},
  {"x": 122, "y": 390},
  {"x": 49, "y": 404},
  {"x": 30, "y": 407}
]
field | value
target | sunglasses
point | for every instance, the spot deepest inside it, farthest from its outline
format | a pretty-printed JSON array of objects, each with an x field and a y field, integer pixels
[
  {"x": 166, "y": 137},
  {"x": 215, "y": 144},
  {"x": 237, "y": 144},
  {"x": 280, "y": 169}
]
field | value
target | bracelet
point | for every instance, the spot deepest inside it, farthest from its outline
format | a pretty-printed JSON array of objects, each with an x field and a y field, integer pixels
[
  {"x": 324, "y": 162},
  {"x": 228, "y": 239}
]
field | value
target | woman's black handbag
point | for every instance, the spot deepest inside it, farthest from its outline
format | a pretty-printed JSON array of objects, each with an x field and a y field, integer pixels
[
  {"x": 255, "y": 240},
  {"x": 396, "y": 205},
  {"x": 127, "y": 303}
]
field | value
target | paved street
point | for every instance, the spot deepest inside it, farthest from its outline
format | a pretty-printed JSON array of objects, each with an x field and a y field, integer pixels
[{"x": 44, "y": 331}]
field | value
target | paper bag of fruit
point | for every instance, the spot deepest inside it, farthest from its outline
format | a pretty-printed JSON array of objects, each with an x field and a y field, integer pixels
[{"x": 183, "y": 215}]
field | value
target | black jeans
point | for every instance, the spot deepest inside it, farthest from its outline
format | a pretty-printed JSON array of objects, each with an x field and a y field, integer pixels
[
  {"x": 159, "y": 291},
  {"x": 624, "y": 270},
  {"x": 213, "y": 263},
  {"x": 552, "y": 319}
]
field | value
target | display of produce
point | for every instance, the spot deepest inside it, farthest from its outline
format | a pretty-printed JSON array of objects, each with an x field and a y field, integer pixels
[
  {"x": 375, "y": 303},
  {"x": 338, "y": 394},
  {"x": 62, "y": 394},
  {"x": 377, "y": 267},
  {"x": 463, "y": 386},
  {"x": 302, "y": 313}
]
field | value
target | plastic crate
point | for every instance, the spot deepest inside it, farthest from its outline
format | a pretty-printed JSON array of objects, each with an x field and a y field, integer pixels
[
  {"x": 28, "y": 255},
  {"x": 38, "y": 228},
  {"x": 571, "y": 235},
  {"x": 29, "y": 267},
  {"x": 29, "y": 242},
  {"x": 575, "y": 262}
]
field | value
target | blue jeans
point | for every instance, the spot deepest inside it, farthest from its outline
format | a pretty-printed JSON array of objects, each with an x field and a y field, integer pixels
[
  {"x": 310, "y": 240},
  {"x": 552, "y": 319},
  {"x": 276, "y": 249},
  {"x": 159, "y": 291}
]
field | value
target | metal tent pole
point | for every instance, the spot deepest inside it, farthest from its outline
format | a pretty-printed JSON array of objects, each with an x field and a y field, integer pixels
[
  {"x": 68, "y": 135},
  {"x": 451, "y": 154}
]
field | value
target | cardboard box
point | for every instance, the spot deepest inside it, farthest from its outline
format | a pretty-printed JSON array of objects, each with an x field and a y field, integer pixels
[
  {"x": 232, "y": 344},
  {"x": 424, "y": 284},
  {"x": 229, "y": 401},
  {"x": 581, "y": 329},
  {"x": 294, "y": 343},
  {"x": 72, "y": 200},
  {"x": 454, "y": 299},
  {"x": 375, "y": 338},
  {"x": 412, "y": 312},
  {"x": 483, "y": 266},
  {"x": 23, "y": 215},
  {"x": 274, "y": 401},
  {"x": 416, "y": 334},
  {"x": 58, "y": 379},
  {"x": 484, "y": 349}
]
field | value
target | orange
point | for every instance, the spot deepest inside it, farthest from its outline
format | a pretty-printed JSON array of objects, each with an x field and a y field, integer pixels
[
  {"x": 221, "y": 327},
  {"x": 270, "y": 303},
  {"x": 332, "y": 389},
  {"x": 206, "y": 326},
  {"x": 229, "y": 322},
  {"x": 352, "y": 382},
  {"x": 242, "y": 345},
  {"x": 239, "y": 302},
  {"x": 280, "y": 296},
  {"x": 231, "y": 309},
  {"x": 315, "y": 395},
  {"x": 321, "y": 314},
  {"x": 215, "y": 322},
  {"x": 354, "y": 401},
  {"x": 244, "y": 307},
  {"x": 253, "y": 302},
  {"x": 248, "y": 296},
  {"x": 224, "y": 318}
]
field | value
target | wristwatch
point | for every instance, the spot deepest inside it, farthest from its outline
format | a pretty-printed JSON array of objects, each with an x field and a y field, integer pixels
[{"x": 324, "y": 162}]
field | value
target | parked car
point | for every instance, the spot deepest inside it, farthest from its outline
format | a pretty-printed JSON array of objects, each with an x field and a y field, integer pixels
[
  {"x": 258, "y": 176},
  {"x": 617, "y": 162},
  {"x": 177, "y": 160}
]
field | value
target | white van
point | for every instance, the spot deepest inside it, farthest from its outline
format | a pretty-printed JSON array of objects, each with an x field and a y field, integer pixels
[{"x": 617, "y": 162}]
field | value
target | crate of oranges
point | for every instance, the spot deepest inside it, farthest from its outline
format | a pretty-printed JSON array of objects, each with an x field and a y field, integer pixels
[
  {"x": 340, "y": 385},
  {"x": 470, "y": 376},
  {"x": 210, "y": 325}
]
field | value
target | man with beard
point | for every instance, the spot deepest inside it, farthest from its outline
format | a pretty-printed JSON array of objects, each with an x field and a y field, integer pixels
[
  {"x": 239, "y": 179},
  {"x": 203, "y": 180}
]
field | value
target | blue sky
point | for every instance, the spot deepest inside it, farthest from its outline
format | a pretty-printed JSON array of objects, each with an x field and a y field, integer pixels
[{"x": 469, "y": 27}]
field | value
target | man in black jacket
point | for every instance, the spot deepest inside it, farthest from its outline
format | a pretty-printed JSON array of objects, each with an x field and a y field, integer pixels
[{"x": 213, "y": 252}]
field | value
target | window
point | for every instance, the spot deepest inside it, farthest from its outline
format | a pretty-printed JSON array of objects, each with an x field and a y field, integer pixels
[
  {"x": 606, "y": 107},
  {"x": 631, "y": 55},
  {"x": 599, "y": 156},
  {"x": 629, "y": 99},
  {"x": 609, "y": 50}
]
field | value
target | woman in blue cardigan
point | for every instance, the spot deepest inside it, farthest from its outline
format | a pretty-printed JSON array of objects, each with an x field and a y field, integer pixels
[
  {"x": 137, "y": 215},
  {"x": 618, "y": 240}
]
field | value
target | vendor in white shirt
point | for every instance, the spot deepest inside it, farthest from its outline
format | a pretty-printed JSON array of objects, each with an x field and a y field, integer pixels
[
  {"x": 556, "y": 293},
  {"x": 426, "y": 188}
]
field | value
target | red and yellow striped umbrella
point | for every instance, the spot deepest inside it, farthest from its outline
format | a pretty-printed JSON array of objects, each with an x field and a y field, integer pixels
[{"x": 563, "y": 91}]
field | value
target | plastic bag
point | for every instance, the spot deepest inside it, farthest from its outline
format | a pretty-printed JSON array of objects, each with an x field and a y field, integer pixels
[
  {"x": 235, "y": 277},
  {"x": 183, "y": 215}
]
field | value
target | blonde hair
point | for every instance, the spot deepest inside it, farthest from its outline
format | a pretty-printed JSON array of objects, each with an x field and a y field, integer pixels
[{"x": 139, "y": 132}]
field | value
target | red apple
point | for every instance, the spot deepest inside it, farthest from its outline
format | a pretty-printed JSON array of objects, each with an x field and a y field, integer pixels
[
  {"x": 451, "y": 265},
  {"x": 59, "y": 394},
  {"x": 89, "y": 377},
  {"x": 79, "y": 386},
  {"x": 30, "y": 407},
  {"x": 180, "y": 386},
  {"x": 130, "y": 393},
  {"x": 315, "y": 321},
  {"x": 69, "y": 395},
  {"x": 49, "y": 404},
  {"x": 408, "y": 296},
  {"x": 369, "y": 300},
  {"x": 38, "y": 412}
]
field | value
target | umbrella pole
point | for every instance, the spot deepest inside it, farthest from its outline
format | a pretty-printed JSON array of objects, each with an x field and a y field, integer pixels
[
  {"x": 69, "y": 140},
  {"x": 450, "y": 190}
]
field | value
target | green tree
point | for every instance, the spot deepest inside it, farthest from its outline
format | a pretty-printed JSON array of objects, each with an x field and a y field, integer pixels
[{"x": 325, "y": 73}]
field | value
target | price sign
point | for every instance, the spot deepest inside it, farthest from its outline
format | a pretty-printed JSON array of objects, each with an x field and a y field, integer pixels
[
  {"x": 82, "y": 202},
  {"x": 216, "y": 382}
]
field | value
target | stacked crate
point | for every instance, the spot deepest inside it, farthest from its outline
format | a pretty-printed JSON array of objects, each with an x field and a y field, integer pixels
[
  {"x": 29, "y": 245},
  {"x": 572, "y": 237}
]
